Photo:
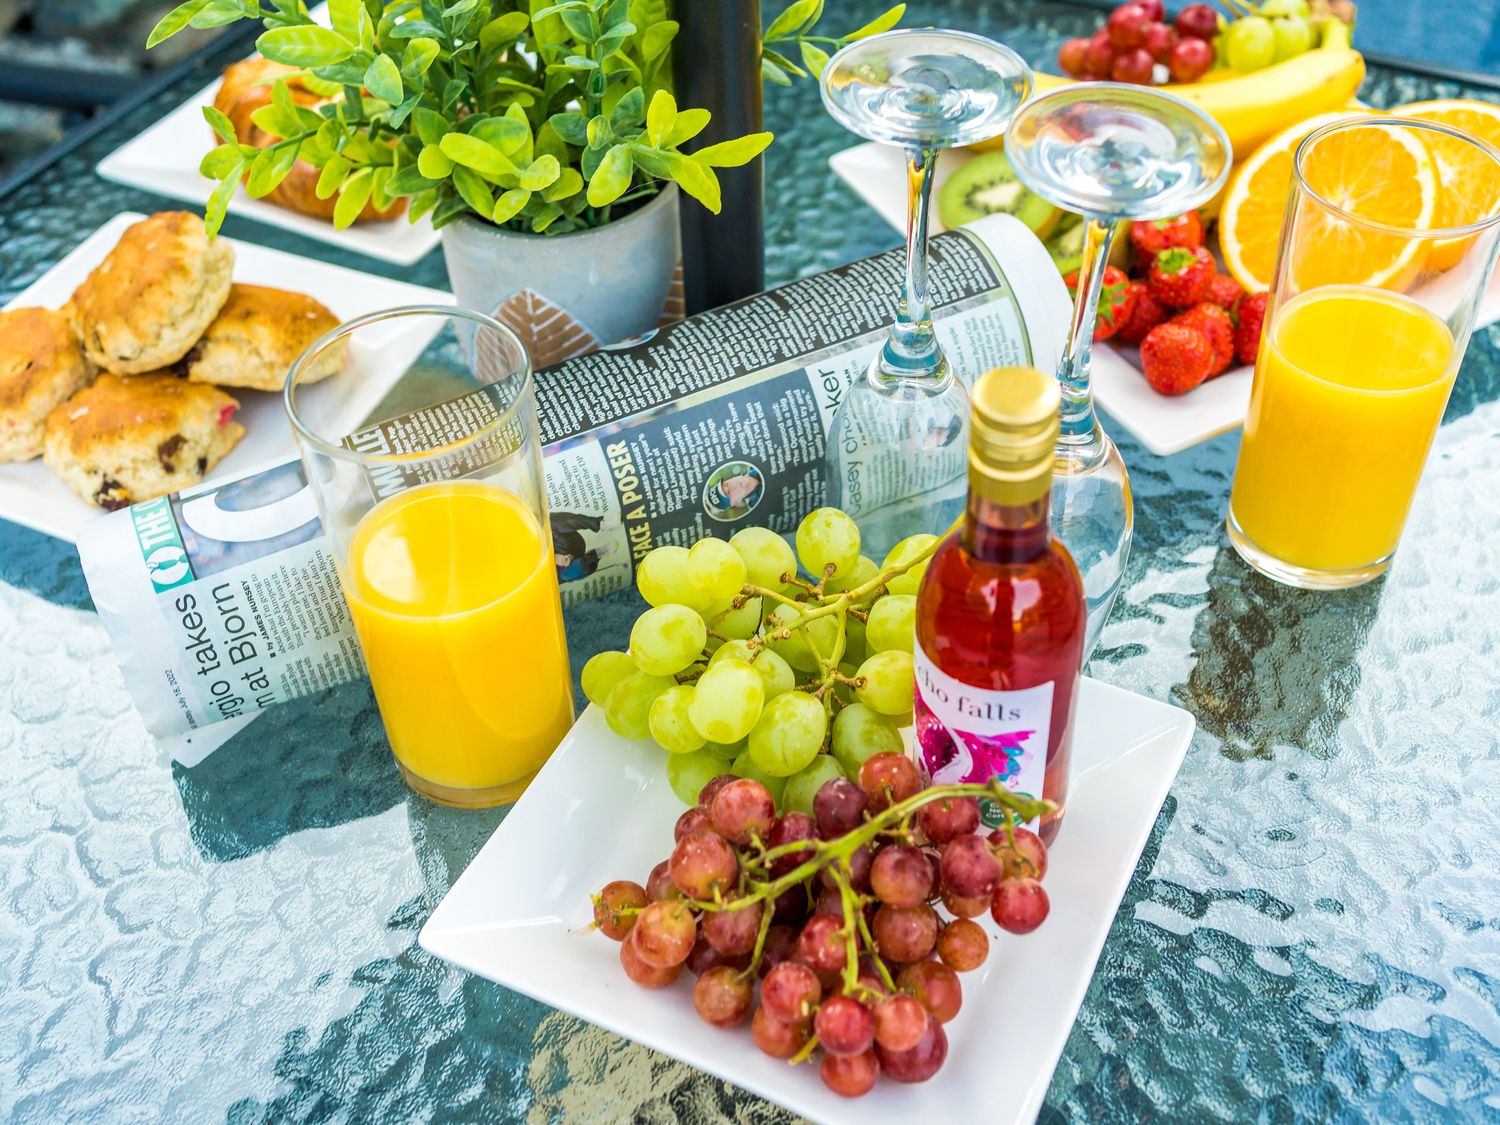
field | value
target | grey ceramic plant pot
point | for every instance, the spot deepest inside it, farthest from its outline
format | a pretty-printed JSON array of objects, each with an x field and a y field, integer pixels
[{"x": 567, "y": 293}]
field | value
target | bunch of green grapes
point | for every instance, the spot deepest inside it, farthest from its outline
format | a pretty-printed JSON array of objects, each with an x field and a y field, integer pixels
[{"x": 748, "y": 664}]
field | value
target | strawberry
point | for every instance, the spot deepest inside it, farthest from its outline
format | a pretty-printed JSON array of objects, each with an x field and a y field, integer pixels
[
  {"x": 1215, "y": 324},
  {"x": 1249, "y": 317},
  {"x": 1116, "y": 301},
  {"x": 1179, "y": 277},
  {"x": 1175, "y": 358},
  {"x": 1146, "y": 315},
  {"x": 1224, "y": 291},
  {"x": 1151, "y": 237}
]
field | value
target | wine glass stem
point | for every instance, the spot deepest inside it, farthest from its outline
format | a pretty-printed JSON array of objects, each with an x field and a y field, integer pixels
[
  {"x": 1081, "y": 441},
  {"x": 912, "y": 348}
]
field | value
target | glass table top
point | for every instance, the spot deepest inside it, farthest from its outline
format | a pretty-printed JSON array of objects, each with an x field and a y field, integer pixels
[{"x": 1312, "y": 933}]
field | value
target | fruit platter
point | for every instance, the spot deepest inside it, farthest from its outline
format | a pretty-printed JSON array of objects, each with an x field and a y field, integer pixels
[{"x": 1181, "y": 313}]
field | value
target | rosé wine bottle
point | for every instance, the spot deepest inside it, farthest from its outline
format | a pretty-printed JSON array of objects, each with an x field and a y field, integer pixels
[{"x": 1000, "y": 615}]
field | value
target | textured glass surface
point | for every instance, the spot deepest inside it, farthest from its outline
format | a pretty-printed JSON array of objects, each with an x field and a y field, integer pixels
[{"x": 1312, "y": 933}]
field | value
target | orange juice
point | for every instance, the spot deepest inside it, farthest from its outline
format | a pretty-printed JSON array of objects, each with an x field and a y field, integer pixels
[
  {"x": 453, "y": 593},
  {"x": 1349, "y": 388}
]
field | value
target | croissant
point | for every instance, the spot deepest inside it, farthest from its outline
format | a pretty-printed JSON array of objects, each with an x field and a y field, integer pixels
[{"x": 245, "y": 88}]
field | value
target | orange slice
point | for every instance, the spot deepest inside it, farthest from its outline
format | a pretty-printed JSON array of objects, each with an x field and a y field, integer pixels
[{"x": 1467, "y": 176}]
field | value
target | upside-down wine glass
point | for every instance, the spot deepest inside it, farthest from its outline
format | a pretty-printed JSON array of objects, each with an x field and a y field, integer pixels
[
  {"x": 1111, "y": 152},
  {"x": 897, "y": 452}
]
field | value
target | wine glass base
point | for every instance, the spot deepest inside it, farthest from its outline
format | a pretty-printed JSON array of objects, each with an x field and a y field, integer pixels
[{"x": 1303, "y": 578}]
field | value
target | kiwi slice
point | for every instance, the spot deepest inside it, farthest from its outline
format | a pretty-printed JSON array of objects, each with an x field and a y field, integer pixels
[{"x": 986, "y": 185}]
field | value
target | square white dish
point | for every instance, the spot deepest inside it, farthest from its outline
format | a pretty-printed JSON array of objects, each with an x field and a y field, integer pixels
[
  {"x": 31, "y": 495},
  {"x": 164, "y": 158},
  {"x": 1163, "y": 424},
  {"x": 601, "y": 809}
]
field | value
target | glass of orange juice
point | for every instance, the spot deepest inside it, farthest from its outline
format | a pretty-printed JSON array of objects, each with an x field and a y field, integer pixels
[
  {"x": 1389, "y": 239},
  {"x": 437, "y": 518}
]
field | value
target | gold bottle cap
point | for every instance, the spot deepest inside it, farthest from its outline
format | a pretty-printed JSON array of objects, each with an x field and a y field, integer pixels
[{"x": 1013, "y": 434}]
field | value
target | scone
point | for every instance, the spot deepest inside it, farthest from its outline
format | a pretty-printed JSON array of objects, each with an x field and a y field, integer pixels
[
  {"x": 126, "y": 440},
  {"x": 256, "y": 337},
  {"x": 147, "y": 303},
  {"x": 40, "y": 367}
]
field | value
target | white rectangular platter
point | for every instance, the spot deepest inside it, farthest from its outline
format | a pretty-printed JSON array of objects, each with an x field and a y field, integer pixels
[
  {"x": 1163, "y": 424},
  {"x": 601, "y": 809},
  {"x": 31, "y": 495}
]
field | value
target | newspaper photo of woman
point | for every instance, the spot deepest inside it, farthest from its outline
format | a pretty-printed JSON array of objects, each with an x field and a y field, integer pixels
[
  {"x": 733, "y": 491},
  {"x": 574, "y": 557}
]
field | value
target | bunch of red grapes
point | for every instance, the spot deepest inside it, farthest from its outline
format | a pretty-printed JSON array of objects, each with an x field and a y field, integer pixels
[
  {"x": 834, "y": 913},
  {"x": 1137, "y": 37}
]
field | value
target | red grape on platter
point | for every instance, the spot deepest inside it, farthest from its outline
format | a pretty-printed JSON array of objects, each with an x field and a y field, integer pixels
[
  {"x": 889, "y": 778},
  {"x": 1197, "y": 21},
  {"x": 820, "y": 945},
  {"x": 1156, "y": 11},
  {"x": 969, "y": 867},
  {"x": 722, "y": 998},
  {"x": 616, "y": 908},
  {"x": 950, "y": 817},
  {"x": 1127, "y": 26},
  {"x": 712, "y": 787},
  {"x": 1020, "y": 905},
  {"x": 935, "y": 986},
  {"x": 705, "y": 957},
  {"x": 901, "y": 875},
  {"x": 743, "y": 809},
  {"x": 905, "y": 934},
  {"x": 844, "y": 1026},
  {"x": 1133, "y": 65},
  {"x": 703, "y": 864},
  {"x": 777, "y": 1039},
  {"x": 779, "y": 943},
  {"x": 645, "y": 975},
  {"x": 900, "y": 1022},
  {"x": 1026, "y": 857},
  {"x": 963, "y": 945},
  {"x": 733, "y": 931},
  {"x": 692, "y": 820},
  {"x": 659, "y": 885},
  {"x": 961, "y": 907},
  {"x": 919, "y": 1063},
  {"x": 839, "y": 807},
  {"x": 664, "y": 934},
  {"x": 851, "y": 1076},
  {"x": 789, "y": 829},
  {"x": 1072, "y": 57},
  {"x": 790, "y": 992}
]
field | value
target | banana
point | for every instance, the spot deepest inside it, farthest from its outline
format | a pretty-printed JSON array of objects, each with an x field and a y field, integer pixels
[{"x": 1252, "y": 107}]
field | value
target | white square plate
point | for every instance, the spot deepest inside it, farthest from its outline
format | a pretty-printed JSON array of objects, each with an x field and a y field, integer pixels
[
  {"x": 31, "y": 495},
  {"x": 164, "y": 158},
  {"x": 1163, "y": 424},
  {"x": 601, "y": 809}
]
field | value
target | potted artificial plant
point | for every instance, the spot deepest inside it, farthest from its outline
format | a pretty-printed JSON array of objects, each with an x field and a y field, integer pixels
[{"x": 542, "y": 139}]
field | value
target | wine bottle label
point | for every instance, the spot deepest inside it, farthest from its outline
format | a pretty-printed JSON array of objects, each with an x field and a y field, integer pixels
[{"x": 971, "y": 734}]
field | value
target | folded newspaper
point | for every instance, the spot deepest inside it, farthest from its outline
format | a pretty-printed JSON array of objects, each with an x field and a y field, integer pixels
[{"x": 224, "y": 599}]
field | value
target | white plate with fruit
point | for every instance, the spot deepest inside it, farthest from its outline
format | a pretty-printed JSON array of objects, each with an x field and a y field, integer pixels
[{"x": 711, "y": 866}]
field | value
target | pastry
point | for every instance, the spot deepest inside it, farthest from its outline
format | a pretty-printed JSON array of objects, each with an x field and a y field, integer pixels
[
  {"x": 147, "y": 303},
  {"x": 124, "y": 440},
  {"x": 40, "y": 366},
  {"x": 245, "y": 88},
  {"x": 256, "y": 337}
]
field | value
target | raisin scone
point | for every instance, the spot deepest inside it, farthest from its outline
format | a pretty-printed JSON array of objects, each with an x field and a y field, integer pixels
[
  {"x": 40, "y": 366},
  {"x": 257, "y": 336},
  {"x": 147, "y": 303},
  {"x": 125, "y": 440}
]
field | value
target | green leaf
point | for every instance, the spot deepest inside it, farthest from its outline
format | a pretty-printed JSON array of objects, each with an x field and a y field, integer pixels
[
  {"x": 220, "y": 124},
  {"x": 503, "y": 29},
  {"x": 303, "y": 46},
  {"x": 545, "y": 217},
  {"x": 883, "y": 22},
  {"x": 581, "y": 24},
  {"x": 269, "y": 169},
  {"x": 509, "y": 205},
  {"x": 770, "y": 72},
  {"x": 216, "y": 13},
  {"x": 600, "y": 132},
  {"x": 697, "y": 179},
  {"x": 408, "y": 181},
  {"x": 611, "y": 179},
  {"x": 434, "y": 163},
  {"x": 174, "y": 21},
  {"x": 347, "y": 18},
  {"x": 731, "y": 154},
  {"x": 611, "y": 40},
  {"x": 786, "y": 64},
  {"x": 421, "y": 204},
  {"x": 540, "y": 173},
  {"x": 689, "y": 123},
  {"x": 792, "y": 20},
  {"x": 657, "y": 38},
  {"x": 418, "y": 57},
  {"x": 660, "y": 117},
  {"x": 352, "y": 198},
  {"x": 578, "y": 62},
  {"x": 474, "y": 191},
  {"x": 416, "y": 29},
  {"x": 277, "y": 121},
  {"x": 459, "y": 9},
  {"x": 569, "y": 182},
  {"x": 629, "y": 110},
  {"x": 471, "y": 152},
  {"x": 383, "y": 79},
  {"x": 430, "y": 125},
  {"x": 506, "y": 133},
  {"x": 380, "y": 193},
  {"x": 218, "y": 204},
  {"x": 332, "y": 177},
  {"x": 814, "y": 58},
  {"x": 399, "y": 114},
  {"x": 224, "y": 160},
  {"x": 651, "y": 162},
  {"x": 571, "y": 127}
]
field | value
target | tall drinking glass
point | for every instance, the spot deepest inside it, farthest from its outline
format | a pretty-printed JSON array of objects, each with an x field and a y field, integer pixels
[
  {"x": 438, "y": 521},
  {"x": 1390, "y": 236}
]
